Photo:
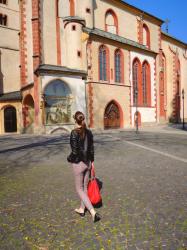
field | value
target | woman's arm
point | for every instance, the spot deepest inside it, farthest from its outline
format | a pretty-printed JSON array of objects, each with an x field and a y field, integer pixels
[
  {"x": 74, "y": 143},
  {"x": 73, "y": 157},
  {"x": 91, "y": 147}
]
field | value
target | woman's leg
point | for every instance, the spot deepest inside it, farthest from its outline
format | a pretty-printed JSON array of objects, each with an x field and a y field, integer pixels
[
  {"x": 85, "y": 187},
  {"x": 81, "y": 174}
]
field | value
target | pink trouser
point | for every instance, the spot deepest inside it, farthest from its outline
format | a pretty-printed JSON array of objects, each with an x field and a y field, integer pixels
[{"x": 81, "y": 172}]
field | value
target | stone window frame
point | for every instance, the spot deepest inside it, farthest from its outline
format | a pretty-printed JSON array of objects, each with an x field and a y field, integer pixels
[
  {"x": 4, "y": 2},
  {"x": 3, "y": 20}
]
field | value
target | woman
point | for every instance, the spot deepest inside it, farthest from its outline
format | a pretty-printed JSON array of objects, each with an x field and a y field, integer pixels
[{"x": 81, "y": 157}]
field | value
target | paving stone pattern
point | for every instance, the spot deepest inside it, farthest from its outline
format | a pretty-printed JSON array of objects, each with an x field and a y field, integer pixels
[{"x": 144, "y": 193}]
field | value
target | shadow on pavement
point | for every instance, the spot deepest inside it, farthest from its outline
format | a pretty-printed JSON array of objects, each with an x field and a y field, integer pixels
[
  {"x": 178, "y": 126},
  {"x": 62, "y": 140}
]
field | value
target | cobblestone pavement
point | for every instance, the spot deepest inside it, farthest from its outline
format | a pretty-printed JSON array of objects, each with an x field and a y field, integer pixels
[{"x": 144, "y": 193}]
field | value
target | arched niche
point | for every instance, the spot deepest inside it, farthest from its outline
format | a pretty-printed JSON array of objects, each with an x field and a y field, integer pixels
[{"x": 58, "y": 103}]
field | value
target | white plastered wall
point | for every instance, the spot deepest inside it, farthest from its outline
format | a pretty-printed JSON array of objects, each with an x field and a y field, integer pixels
[
  {"x": 49, "y": 32},
  {"x": 81, "y": 7},
  {"x": 73, "y": 45},
  {"x": 9, "y": 49},
  {"x": 184, "y": 83},
  {"x": 63, "y": 8}
]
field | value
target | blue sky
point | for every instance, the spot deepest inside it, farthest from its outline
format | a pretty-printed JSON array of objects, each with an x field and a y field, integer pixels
[{"x": 174, "y": 10}]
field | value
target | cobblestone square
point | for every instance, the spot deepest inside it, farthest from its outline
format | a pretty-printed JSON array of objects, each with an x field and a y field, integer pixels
[{"x": 144, "y": 193}]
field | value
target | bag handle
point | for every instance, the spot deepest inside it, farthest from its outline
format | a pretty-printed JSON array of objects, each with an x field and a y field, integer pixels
[{"x": 92, "y": 171}]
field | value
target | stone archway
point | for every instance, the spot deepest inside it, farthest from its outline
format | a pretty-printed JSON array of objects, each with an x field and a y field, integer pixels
[
  {"x": 28, "y": 114},
  {"x": 112, "y": 116},
  {"x": 10, "y": 119}
]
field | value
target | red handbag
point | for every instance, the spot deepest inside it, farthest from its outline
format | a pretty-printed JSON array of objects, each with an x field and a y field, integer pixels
[{"x": 93, "y": 188}]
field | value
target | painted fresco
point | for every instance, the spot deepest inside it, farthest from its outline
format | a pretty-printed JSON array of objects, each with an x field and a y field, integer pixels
[{"x": 58, "y": 103}]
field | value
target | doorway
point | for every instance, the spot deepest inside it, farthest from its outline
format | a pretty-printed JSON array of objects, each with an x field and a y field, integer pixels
[
  {"x": 112, "y": 116},
  {"x": 10, "y": 120}
]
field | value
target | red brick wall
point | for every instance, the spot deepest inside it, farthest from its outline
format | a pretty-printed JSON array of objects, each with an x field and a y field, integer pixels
[
  {"x": 36, "y": 52},
  {"x": 23, "y": 43}
]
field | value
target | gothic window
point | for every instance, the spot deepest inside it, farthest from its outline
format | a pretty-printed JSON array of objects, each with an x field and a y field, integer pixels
[
  {"x": 177, "y": 105},
  {"x": 111, "y": 22},
  {"x": 146, "y": 36},
  {"x": 3, "y": 20},
  {"x": 136, "y": 80},
  {"x": 163, "y": 73},
  {"x": 103, "y": 63},
  {"x": 146, "y": 85},
  {"x": 118, "y": 66}
]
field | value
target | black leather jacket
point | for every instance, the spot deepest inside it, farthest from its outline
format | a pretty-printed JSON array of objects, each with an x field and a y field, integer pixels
[{"x": 77, "y": 154}]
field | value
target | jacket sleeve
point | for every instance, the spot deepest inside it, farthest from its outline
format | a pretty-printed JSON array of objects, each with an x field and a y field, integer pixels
[
  {"x": 74, "y": 143},
  {"x": 91, "y": 147}
]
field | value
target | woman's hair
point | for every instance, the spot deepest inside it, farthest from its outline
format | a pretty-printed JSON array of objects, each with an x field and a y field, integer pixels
[{"x": 79, "y": 118}]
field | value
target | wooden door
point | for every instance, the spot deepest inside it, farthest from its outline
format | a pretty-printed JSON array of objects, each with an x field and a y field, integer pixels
[
  {"x": 10, "y": 120},
  {"x": 112, "y": 116}
]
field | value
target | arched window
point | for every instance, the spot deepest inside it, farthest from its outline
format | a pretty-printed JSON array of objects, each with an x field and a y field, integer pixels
[
  {"x": 58, "y": 102},
  {"x": 146, "y": 36},
  {"x": 72, "y": 7},
  {"x": 136, "y": 72},
  {"x": 163, "y": 74},
  {"x": 146, "y": 86},
  {"x": 118, "y": 66},
  {"x": 177, "y": 106},
  {"x": 103, "y": 63},
  {"x": 111, "y": 22},
  {"x": 162, "y": 87}
]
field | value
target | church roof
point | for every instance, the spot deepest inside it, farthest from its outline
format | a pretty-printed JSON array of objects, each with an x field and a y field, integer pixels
[
  {"x": 174, "y": 38},
  {"x": 16, "y": 95},
  {"x": 47, "y": 69},
  {"x": 116, "y": 38}
]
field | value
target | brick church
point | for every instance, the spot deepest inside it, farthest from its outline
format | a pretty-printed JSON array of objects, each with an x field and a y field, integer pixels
[{"x": 106, "y": 58}]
